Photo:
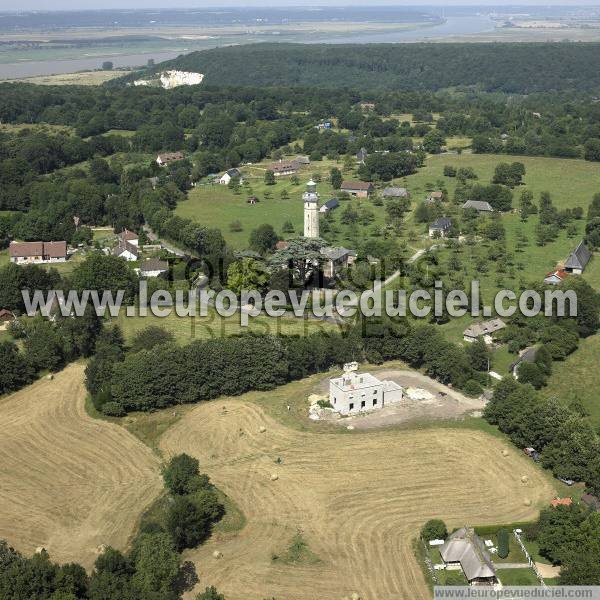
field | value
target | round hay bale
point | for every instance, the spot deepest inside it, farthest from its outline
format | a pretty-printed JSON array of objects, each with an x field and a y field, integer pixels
[
  {"x": 504, "y": 452},
  {"x": 101, "y": 549},
  {"x": 274, "y": 477},
  {"x": 527, "y": 502},
  {"x": 355, "y": 596},
  {"x": 40, "y": 549},
  {"x": 217, "y": 554},
  {"x": 262, "y": 429},
  {"x": 50, "y": 377},
  {"x": 524, "y": 479},
  {"x": 350, "y": 427}
]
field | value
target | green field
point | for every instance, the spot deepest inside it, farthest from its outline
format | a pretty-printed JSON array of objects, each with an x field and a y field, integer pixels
[
  {"x": 517, "y": 577},
  {"x": 188, "y": 329}
]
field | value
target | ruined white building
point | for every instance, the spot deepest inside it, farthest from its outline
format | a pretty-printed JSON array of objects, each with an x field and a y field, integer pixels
[{"x": 355, "y": 392}]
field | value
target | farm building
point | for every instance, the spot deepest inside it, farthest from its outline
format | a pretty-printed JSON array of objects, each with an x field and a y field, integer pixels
[
  {"x": 37, "y": 252},
  {"x": 555, "y": 277},
  {"x": 129, "y": 236},
  {"x": 396, "y": 192},
  {"x": 329, "y": 205},
  {"x": 226, "y": 177},
  {"x": 478, "y": 205},
  {"x": 578, "y": 259},
  {"x": 336, "y": 259},
  {"x": 287, "y": 167},
  {"x": 153, "y": 268},
  {"x": 127, "y": 250},
  {"x": 440, "y": 228},
  {"x": 484, "y": 330},
  {"x": 162, "y": 160},
  {"x": 465, "y": 548},
  {"x": 355, "y": 392},
  {"x": 358, "y": 189}
]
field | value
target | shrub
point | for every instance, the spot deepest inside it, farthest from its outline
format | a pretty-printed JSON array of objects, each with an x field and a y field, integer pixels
[
  {"x": 113, "y": 409},
  {"x": 434, "y": 529},
  {"x": 472, "y": 388},
  {"x": 503, "y": 543}
]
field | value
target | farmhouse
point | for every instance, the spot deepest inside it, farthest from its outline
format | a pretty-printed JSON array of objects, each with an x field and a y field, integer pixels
[
  {"x": 465, "y": 548},
  {"x": 37, "y": 252},
  {"x": 329, "y": 205},
  {"x": 396, "y": 192},
  {"x": 485, "y": 330},
  {"x": 162, "y": 160},
  {"x": 555, "y": 277},
  {"x": 578, "y": 259},
  {"x": 284, "y": 167},
  {"x": 355, "y": 392},
  {"x": 127, "y": 250},
  {"x": 358, "y": 189},
  {"x": 153, "y": 268},
  {"x": 478, "y": 205},
  {"x": 336, "y": 259},
  {"x": 440, "y": 228},
  {"x": 229, "y": 175}
]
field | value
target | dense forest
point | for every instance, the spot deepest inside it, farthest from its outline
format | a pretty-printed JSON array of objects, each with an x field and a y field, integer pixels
[{"x": 513, "y": 68}]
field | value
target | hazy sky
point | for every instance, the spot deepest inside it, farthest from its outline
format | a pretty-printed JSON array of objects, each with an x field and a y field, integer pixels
[{"x": 96, "y": 4}]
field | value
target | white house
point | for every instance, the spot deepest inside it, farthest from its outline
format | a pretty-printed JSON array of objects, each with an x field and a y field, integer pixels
[
  {"x": 355, "y": 392},
  {"x": 37, "y": 252},
  {"x": 126, "y": 250},
  {"x": 440, "y": 228},
  {"x": 229, "y": 175}
]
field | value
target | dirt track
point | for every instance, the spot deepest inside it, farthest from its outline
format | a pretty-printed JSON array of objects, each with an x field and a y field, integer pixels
[
  {"x": 68, "y": 482},
  {"x": 359, "y": 500}
]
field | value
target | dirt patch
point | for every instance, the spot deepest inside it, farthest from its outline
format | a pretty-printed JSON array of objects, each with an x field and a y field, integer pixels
[
  {"x": 446, "y": 403},
  {"x": 548, "y": 571},
  {"x": 69, "y": 483},
  {"x": 359, "y": 500}
]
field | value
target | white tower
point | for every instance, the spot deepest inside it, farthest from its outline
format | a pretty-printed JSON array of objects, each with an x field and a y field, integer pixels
[{"x": 311, "y": 210}]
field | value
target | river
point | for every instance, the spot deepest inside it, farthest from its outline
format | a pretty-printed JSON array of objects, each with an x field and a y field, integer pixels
[{"x": 452, "y": 27}]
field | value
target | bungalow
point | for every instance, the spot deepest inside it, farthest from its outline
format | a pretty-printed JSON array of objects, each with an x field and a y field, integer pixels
[
  {"x": 396, "y": 192},
  {"x": 578, "y": 259},
  {"x": 485, "y": 330},
  {"x": 229, "y": 175},
  {"x": 284, "y": 167},
  {"x": 555, "y": 277},
  {"x": 478, "y": 205},
  {"x": 434, "y": 197},
  {"x": 440, "y": 228},
  {"x": 153, "y": 268},
  {"x": 329, "y": 205},
  {"x": 464, "y": 548},
  {"x": 358, "y": 189},
  {"x": 37, "y": 252},
  {"x": 527, "y": 355},
  {"x": 162, "y": 160},
  {"x": 336, "y": 259}
]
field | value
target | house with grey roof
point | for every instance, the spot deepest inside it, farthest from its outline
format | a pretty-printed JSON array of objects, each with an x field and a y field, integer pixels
[
  {"x": 153, "y": 267},
  {"x": 336, "y": 259},
  {"x": 578, "y": 259},
  {"x": 465, "y": 548},
  {"x": 440, "y": 228},
  {"x": 396, "y": 192},
  {"x": 329, "y": 205},
  {"x": 478, "y": 205},
  {"x": 229, "y": 175},
  {"x": 484, "y": 330}
]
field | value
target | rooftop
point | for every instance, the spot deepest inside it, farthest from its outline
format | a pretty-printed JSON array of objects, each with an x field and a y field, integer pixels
[
  {"x": 466, "y": 548},
  {"x": 487, "y": 327},
  {"x": 355, "y": 381}
]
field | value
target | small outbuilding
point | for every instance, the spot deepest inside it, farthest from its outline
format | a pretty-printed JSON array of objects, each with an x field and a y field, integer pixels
[
  {"x": 578, "y": 259},
  {"x": 358, "y": 189}
]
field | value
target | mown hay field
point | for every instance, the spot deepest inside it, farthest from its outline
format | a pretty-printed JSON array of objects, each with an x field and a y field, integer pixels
[
  {"x": 358, "y": 500},
  {"x": 68, "y": 482}
]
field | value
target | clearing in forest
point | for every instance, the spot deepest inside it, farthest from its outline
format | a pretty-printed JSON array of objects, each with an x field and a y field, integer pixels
[{"x": 69, "y": 483}]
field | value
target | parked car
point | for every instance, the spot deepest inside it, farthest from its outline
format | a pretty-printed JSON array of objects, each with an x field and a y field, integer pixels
[{"x": 568, "y": 482}]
